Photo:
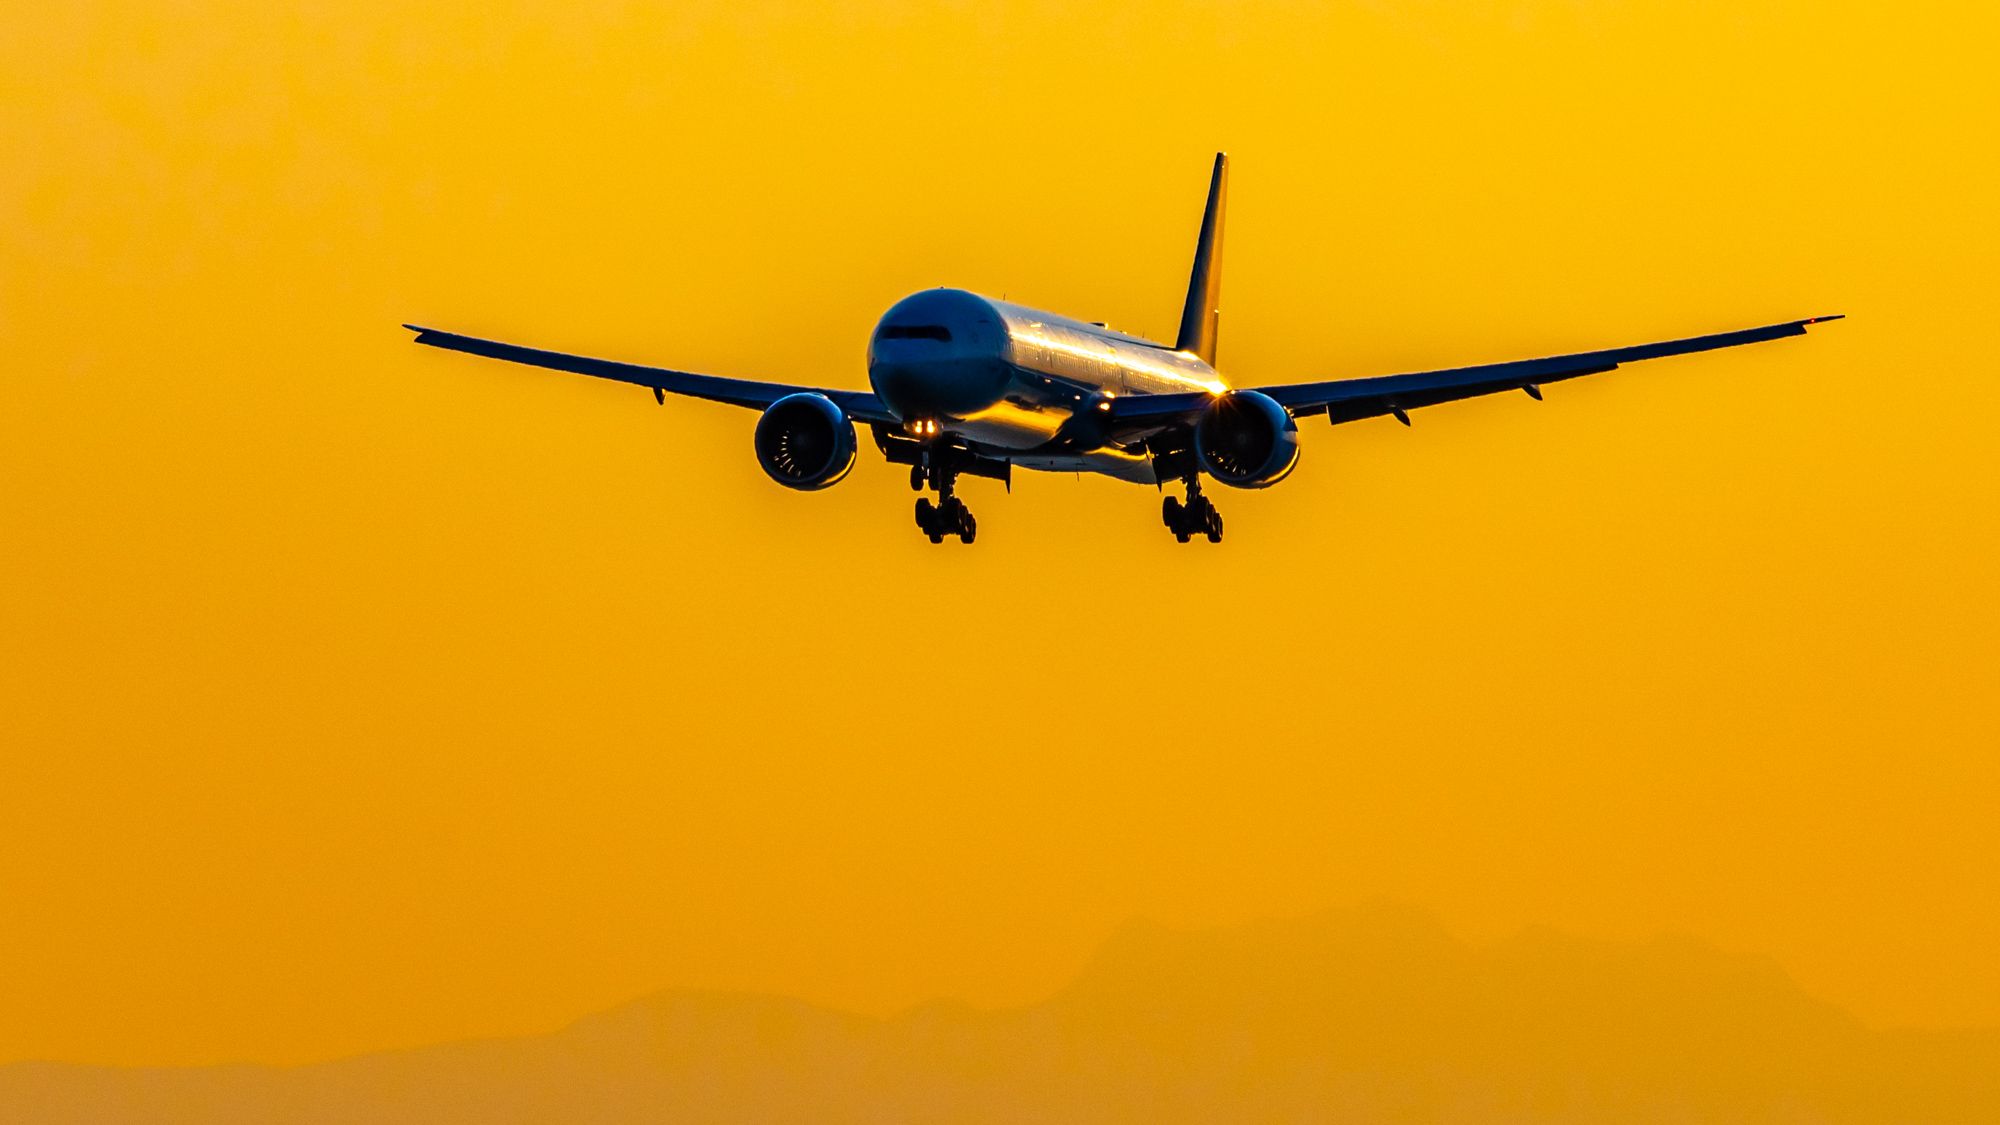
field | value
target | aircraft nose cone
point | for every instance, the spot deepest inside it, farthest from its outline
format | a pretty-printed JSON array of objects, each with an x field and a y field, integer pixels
[
  {"x": 903, "y": 387},
  {"x": 939, "y": 388},
  {"x": 938, "y": 354}
]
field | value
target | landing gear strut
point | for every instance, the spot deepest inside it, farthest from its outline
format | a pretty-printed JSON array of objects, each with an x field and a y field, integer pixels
[
  {"x": 1196, "y": 517},
  {"x": 948, "y": 516}
]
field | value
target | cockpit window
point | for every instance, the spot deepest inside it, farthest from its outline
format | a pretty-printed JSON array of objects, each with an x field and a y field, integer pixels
[{"x": 936, "y": 332}]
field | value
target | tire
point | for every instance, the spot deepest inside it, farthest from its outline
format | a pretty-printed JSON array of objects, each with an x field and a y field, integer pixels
[
  {"x": 916, "y": 478},
  {"x": 968, "y": 530},
  {"x": 1214, "y": 528},
  {"x": 1170, "y": 511},
  {"x": 926, "y": 515}
]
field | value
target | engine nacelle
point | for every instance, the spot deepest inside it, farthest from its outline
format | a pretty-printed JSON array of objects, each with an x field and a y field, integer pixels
[
  {"x": 1246, "y": 440},
  {"x": 805, "y": 442}
]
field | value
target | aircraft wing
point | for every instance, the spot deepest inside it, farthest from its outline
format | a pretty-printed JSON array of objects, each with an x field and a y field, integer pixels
[
  {"x": 1344, "y": 400},
  {"x": 859, "y": 405}
]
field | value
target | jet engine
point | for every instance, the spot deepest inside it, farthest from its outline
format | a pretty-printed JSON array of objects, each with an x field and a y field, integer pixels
[
  {"x": 1246, "y": 440},
  {"x": 805, "y": 442}
]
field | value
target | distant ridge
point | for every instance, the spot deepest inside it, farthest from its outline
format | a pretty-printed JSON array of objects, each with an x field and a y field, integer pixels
[{"x": 1372, "y": 1014}]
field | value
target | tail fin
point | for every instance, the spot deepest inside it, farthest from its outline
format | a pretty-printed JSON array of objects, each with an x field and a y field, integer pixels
[{"x": 1204, "y": 295}]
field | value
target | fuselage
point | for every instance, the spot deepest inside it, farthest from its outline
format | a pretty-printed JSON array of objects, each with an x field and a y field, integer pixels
[{"x": 1017, "y": 382}]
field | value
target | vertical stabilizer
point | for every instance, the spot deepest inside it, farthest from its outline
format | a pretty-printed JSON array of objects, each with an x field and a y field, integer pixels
[{"x": 1204, "y": 295}]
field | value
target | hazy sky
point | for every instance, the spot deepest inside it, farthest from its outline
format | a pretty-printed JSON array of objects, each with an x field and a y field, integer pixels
[{"x": 359, "y": 695}]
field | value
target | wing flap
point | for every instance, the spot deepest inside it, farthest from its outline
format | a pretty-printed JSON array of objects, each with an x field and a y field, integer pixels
[{"x": 1345, "y": 400}]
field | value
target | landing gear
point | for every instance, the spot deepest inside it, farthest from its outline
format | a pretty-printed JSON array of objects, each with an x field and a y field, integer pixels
[
  {"x": 946, "y": 517},
  {"x": 949, "y": 518},
  {"x": 1196, "y": 517}
]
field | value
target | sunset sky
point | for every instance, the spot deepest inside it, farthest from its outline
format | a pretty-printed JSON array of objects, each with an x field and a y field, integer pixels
[{"x": 356, "y": 695}]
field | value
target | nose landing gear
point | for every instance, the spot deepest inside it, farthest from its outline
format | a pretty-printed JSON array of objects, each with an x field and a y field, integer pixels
[{"x": 1196, "y": 517}]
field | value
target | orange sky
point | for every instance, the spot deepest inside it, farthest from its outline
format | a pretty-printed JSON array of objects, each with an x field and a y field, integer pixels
[{"x": 357, "y": 695}]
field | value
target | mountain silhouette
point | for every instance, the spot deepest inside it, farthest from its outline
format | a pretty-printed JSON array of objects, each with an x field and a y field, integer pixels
[{"x": 1370, "y": 1014}]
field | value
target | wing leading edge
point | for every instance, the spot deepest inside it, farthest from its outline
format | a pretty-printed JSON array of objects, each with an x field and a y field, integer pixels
[
  {"x": 859, "y": 405},
  {"x": 1345, "y": 400}
]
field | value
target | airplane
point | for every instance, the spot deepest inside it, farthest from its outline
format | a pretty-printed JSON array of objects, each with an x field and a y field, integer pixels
[{"x": 965, "y": 385}]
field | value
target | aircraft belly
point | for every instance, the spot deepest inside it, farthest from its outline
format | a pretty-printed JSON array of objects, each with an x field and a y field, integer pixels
[
  {"x": 1029, "y": 414},
  {"x": 1134, "y": 467}
]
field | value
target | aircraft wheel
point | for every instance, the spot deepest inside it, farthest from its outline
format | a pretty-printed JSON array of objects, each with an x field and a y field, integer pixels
[
  {"x": 968, "y": 529},
  {"x": 1214, "y": 528},
  {"x": 930, "y": 520},
  {"x": 916, "y": 478},
  {"x": 1170, "y": 511}
]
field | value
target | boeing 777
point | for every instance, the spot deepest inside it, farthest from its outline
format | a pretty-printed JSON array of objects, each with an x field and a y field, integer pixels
[{"x": 967, "y": 385}]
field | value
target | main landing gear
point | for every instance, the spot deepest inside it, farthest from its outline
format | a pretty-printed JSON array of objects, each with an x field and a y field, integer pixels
[
  {"x": 1196, "y": 517},
  {"x": 946, "y": 517}
]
